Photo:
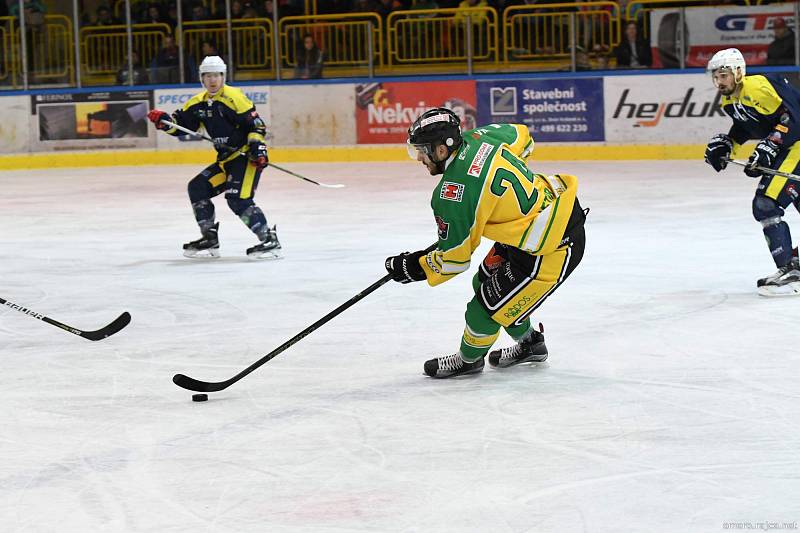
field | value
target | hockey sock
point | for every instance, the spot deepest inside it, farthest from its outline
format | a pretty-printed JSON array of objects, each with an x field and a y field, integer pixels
[
  {"x": 204, "y": 214},
  {"x": 779, "y": 240},
  {"x": 480, "y": 332},
  {"x": 254, "y": 219},
  {"x": 518, "y": 332}
]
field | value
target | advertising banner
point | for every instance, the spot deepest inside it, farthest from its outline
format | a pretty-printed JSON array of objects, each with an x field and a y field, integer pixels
[
  {"x": 385, "y": 110},
  {"x": 91, "y": 120},
  {"x": 169, "y": 100},
  {"x": 15, "y": 126},
  {"x": 313, "y": 115},
  {"x": 709, "y": 29},
  {"x": 554, "y": 110},
  {"x": 667, "y": 109}
]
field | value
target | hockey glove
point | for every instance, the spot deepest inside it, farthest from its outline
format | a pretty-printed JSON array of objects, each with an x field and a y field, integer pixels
[
  {"x": 156, "y": 116},
  {"x": 405, "y": 267},
  {"x": 764, "y": 155},
  {"x": 257, "y": 152},
  {"x": 718, "y": 150}
]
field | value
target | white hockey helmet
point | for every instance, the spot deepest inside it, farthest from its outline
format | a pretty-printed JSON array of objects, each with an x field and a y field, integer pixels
[
  {"x": 213, "y": 64},
  {"x": 730, "y": 59}
]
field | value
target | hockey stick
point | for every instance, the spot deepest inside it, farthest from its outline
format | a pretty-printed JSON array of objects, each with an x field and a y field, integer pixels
[
  {"x": 273, "y": 165},
  {"x": 197, "y": 385},
  {"x": 120, "y": 322},
  {"x": 765, "y": 170}
]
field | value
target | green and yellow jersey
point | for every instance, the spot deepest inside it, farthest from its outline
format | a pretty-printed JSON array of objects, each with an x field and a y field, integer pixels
[
  {"x": 487, "y": 190},
  {"x": 229, "y": 117},
  {"x": 765, "y": 106}
]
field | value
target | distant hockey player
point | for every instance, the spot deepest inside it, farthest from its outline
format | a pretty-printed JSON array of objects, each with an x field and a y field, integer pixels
[
  {"x": 765, "y": 108},
  {"x": 487, "y": 190},
  {"x": 231, "y": 119}
]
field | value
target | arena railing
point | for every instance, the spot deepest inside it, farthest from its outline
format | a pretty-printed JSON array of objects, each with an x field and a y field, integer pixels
[
  {"x": 253, "y": 54},
  {"x": 104, "y": 49},
  {"x": 442, "y": 39},
  {"x": 549, "y": 36},
  {"x": 352, "y": 43}
]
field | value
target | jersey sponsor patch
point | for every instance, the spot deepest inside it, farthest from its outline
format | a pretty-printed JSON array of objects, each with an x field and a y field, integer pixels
[
  {"x": 444, "y": 228},
  {"x": 479, "y": 160},
  {"x": 452, "y": 191},
  {"x": 781, "y": 128}
]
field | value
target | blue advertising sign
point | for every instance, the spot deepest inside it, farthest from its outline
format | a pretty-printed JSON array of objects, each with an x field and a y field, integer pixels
[{"x": 554, "y": 110}]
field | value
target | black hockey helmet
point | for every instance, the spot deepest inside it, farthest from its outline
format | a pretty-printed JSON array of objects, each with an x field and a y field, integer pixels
[{"x": 432, "y": 128}]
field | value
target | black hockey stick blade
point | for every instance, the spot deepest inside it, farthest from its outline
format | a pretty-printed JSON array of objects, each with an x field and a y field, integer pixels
[
  {"x": 197, "y": 385},
  {"x": 120, "y": 322}
]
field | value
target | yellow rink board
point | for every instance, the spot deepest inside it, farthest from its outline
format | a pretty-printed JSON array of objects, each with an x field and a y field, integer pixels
[{"x": 334, "y": 154}]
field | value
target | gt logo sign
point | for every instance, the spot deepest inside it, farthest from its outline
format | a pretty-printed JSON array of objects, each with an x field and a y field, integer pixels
[
  {"x": 451, "y": 191},
  {"x": 444, "y": 228}
]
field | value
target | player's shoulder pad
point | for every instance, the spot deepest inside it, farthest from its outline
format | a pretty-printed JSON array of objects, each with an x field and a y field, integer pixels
[
  {"x": 194, "y": 100},
  {"x": 235, "y": 98},
  {"x": 763, "y": 93}
]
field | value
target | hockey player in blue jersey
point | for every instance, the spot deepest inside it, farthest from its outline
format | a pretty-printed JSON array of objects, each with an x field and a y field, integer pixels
[
  {"x": 229, "y": 117},
  {"x": 764, "y": 108}
]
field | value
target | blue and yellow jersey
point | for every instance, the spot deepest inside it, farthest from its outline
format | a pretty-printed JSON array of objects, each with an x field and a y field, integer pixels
[
  {"x": 766, "y": 106},
  {"x": 229, "y": 117},
  {"x": 487, "y": 190}
]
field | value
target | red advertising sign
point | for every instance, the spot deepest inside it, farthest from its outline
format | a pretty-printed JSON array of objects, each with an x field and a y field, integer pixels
[{"x": 385, "y": 110}]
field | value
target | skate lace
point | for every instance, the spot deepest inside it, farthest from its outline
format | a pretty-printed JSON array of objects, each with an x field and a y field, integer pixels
[
  {"x": 450, "y": 362},
  {"x": 510, "y": 353}
]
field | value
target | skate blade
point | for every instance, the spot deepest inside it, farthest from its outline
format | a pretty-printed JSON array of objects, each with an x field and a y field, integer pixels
[
  {"x": 202, "y": 254},
  {"x": 770, "y": 291},
  {"x": 270, "y": 255}
]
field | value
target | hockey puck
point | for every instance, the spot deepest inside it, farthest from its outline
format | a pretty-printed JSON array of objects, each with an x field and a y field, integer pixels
[{"x": 199, "y": 397}]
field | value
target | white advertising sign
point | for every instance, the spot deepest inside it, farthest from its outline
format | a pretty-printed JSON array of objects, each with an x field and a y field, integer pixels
[
  {"x": 666, "y": 109},
  {"x": 313, "y": 115},
  {"x": 15, "y": 126},
  {"x": 710, "y": 29},
  {"x": 169, "y": 100}
]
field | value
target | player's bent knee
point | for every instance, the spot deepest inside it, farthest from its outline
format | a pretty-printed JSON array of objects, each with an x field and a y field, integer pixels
[
  {"x": 199, "y": 189},
  {"x": 765, "y": 209},
  {"x": 238, "y": 205}
]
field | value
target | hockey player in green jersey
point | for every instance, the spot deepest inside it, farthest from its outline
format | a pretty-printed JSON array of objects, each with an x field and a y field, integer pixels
[{"x": 487, "y": 190}]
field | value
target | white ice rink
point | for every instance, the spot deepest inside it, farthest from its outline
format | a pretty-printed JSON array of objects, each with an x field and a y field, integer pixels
[{"x": 670, "y": 402}]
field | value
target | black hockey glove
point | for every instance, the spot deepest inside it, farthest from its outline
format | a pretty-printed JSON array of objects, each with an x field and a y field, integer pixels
[
  {"x": 718, "y": 150},
  {"x": 764, "y": 155},
  {"x": 405, "y": 267},
  {"x": 257, "y": 152}
]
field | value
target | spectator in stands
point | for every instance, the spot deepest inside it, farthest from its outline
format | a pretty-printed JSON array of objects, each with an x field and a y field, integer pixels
[
  {"x": 199, "y": 12},
  {"x": 309, "y": 60},
  {"x": 208, "y": 47},
  {"x": 165, "y": 67},
  {"x": 781, "y": 50},
  {"x": 237, "y": 10},
  {"x": 172, "y": 15},
  {"x": 633, "y": 51},
  {"x": 153, "y": 15},
  {"x": 249, "y": 11},
  {"x": 140, "y": 76},
  {"x": 104, "y": 18}
]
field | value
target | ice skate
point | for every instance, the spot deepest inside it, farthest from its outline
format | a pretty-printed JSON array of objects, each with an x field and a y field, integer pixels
[
  {"x": 784, "y": 282},
  {"x": 205, "y": 247},
  {"x": 268, "y": 248},
  {"x": 451, "y": 365},
  {"x": 529, "y": 349}
]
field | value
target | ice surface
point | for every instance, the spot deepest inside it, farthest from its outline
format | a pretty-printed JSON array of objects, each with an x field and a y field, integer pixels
[{"x": 670, "y": 401}]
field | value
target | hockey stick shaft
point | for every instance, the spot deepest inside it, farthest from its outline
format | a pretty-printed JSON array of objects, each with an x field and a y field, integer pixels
[
  {"x": 296, "y": 175},
  {"x": 197, "y": 385},
  {"x": 117, "y": 324},
  {"x": 765, "y": 170}
]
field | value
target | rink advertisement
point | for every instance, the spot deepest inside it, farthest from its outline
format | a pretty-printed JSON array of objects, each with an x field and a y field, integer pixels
[
  {"x": 14, "y": 128},
  {"x": 708, "y": 29},
  {"x": 557, "y": 110},
  {"x": 170, "y": 100},
  {"x": 91, "y": 120},
  {"x": 385, "y": 110},
  {"x": 662, "y": 109}
]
